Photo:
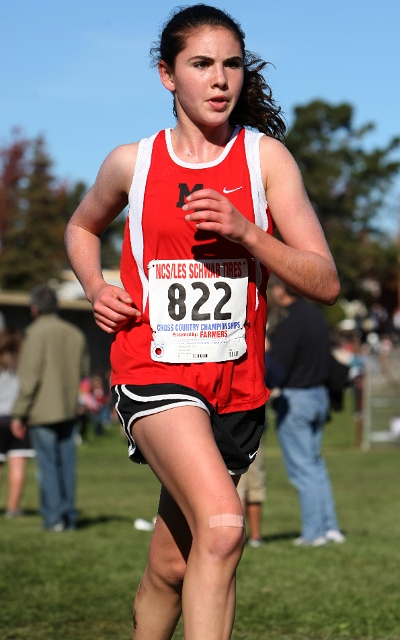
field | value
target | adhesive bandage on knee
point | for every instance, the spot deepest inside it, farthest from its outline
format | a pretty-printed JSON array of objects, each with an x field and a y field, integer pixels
[{"x": 226, "y": 520}]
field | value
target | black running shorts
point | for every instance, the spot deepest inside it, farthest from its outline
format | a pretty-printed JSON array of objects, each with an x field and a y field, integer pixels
[{"x": 236, "y": 434}]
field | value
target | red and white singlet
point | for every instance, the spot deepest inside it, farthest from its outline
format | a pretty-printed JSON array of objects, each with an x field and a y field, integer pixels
[{"x": 202, "y": 297}]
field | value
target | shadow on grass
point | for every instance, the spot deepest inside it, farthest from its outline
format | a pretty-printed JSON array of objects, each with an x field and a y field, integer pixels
[
  {"x": 291, "y": 535},
  {"x": 275, "y": 537},
  {"x": 25, "y": 513},
  {"x": 83, "y": 523}
]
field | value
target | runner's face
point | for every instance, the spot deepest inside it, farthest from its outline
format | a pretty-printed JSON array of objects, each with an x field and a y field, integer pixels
[{"x": 207, "y": 77}]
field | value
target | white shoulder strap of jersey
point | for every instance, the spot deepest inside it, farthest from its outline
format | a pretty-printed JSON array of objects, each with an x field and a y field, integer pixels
[
  {"x": 136, "y": 198},
  {"x": 252, "y": 148}
]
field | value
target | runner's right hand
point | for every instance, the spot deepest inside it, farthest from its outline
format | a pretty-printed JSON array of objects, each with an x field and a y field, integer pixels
[{"x": 113, "y": 308}]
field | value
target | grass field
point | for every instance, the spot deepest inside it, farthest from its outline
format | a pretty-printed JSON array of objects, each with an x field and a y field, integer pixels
[{"x": 80, "y": 585}]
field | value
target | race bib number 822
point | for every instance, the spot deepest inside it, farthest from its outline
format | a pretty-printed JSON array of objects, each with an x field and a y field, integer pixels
[{"x": 198, "y": 309}]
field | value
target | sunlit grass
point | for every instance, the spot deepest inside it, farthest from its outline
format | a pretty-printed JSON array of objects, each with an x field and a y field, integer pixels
[{"x": 80, "y": 585}]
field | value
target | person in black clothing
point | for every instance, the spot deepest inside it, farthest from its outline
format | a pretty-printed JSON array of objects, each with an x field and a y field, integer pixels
[{"x": 301, "y": 345}]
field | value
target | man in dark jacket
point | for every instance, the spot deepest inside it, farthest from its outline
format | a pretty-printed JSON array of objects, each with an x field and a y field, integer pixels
[{"x": 301, "y": 345}]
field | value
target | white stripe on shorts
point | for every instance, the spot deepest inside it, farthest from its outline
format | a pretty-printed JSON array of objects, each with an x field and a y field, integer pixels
[
  {"x": 181, "y": 400},
  {"x": 192, "y": 400}
]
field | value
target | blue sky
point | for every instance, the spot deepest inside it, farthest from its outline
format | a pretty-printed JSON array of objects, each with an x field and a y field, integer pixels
[{"x": 79, "y": 71}]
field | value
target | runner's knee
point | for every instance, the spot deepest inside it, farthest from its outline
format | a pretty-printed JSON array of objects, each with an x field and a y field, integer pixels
[{"x": 225, "y": 536}]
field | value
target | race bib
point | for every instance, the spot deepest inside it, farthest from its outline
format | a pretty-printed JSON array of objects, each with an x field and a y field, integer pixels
[{"x": 198, "y": 310}]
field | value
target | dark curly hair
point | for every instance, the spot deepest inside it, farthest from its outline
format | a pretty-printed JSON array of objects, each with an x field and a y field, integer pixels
[{"x": 255, "y": 107}]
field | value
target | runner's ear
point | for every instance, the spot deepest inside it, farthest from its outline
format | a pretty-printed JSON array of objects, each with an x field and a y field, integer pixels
[{"x": 166, "y": 76}]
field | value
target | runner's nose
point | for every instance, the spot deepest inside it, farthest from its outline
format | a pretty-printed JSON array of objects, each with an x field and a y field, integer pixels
[{"x": 219, "y": 78}]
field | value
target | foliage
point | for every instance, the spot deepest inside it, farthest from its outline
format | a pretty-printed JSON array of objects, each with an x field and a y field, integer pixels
[
  {"x": 348, "y": 187},
  {"x": 334, "y": 314},
  {"x": 34, "y": 210},
  {"x": 80, "y": 585}
]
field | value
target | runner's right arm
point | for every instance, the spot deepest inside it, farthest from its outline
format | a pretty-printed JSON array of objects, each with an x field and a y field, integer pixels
[{"x": 101, "y": 205}]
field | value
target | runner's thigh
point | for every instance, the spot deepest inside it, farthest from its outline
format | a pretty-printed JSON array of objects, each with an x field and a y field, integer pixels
[{"x": 179, "y": 446}]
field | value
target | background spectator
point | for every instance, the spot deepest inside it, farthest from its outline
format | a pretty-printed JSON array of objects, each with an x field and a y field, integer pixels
[
  {"x": 12, "y": 449},
  {"x": 53, "y": 360},
  {"x": 301, "y": 345}
]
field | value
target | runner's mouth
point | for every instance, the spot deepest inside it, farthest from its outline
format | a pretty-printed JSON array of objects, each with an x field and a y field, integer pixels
[{"x": 218, "y": 103}]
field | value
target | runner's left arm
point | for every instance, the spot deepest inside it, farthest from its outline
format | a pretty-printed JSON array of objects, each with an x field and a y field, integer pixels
[{"x": 302, "y": 259}]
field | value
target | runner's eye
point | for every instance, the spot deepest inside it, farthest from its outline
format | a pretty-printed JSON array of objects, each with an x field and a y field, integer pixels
[{"x": 235, "y": 62}]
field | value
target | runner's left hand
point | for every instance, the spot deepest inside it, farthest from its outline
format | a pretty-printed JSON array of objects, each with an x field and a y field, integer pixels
[{"x": 211, "y": 211}]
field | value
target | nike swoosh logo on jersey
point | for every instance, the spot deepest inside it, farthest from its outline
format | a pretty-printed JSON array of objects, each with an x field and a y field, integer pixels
[
  {"x": 225, "y": 190},
  {"x": 251, "y": 455}
]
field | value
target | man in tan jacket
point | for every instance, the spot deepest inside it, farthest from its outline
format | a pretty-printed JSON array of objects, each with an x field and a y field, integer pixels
[{"x": 53, "y": 360}]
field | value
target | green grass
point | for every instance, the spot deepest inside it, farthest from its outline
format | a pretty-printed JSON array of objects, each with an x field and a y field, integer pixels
[{"x": 80, "y": 585}]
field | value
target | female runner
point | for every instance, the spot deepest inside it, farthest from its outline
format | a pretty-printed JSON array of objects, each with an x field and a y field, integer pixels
[{"x": 188, "y": 354}]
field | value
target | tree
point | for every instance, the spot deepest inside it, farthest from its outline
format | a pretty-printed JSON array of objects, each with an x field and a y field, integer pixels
[
  {"x": 13, "y": 170},
  {"x": 32, "y": 248},
  {"x": 347, "y": 186},
  {"x": 34, "y": 210}
]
